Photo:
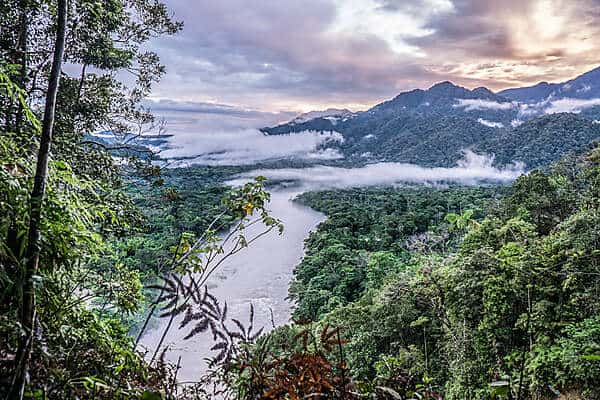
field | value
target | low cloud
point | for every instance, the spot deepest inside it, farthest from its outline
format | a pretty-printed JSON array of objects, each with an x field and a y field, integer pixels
[
  {"x": 570, "y": 105},
  {"x": 529, "y": 110},
  {"x": 249, "y": 146},
  {"x": 478, "y": 104},
  {"x": 491, "y": 124},
  {"x": 224, "y": 134},
  {"x": 473, "y": 169},
  {"x": 584, "y": 89}
]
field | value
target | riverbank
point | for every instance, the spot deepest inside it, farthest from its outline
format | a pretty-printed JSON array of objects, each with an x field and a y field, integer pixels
[{"x": 258, "y": 275}]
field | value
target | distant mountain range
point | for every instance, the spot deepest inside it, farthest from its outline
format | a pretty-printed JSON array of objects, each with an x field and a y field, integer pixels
[
  {"x": 534, "y": 125},
  {"x": 130, "y": 145},
  {"x": 586, "y": 86}
]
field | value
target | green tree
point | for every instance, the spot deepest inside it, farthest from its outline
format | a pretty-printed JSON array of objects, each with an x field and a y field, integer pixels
[
  {"x": 32, "y": 253},
  {"x": 56, "y": 218}
]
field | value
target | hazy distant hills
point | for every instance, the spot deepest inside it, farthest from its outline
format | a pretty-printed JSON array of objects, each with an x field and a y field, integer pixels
[
  {"x": 586, "y": 86},
  {"x": 534, "y": 125}
]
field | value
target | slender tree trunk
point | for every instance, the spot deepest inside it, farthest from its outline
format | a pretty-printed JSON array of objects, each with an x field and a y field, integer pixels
[
  {"x": 8, "y": 116},
  {"x": 81, "y": 82},
  {"x": 32, "y": 254},
  {"x": 22, "y": 44},
  {"x": 524, "y": 351}
]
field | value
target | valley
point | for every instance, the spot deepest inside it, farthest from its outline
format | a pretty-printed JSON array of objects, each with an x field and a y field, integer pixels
[
  {"x": 325, "y": 199},
  {"x": 400, "y": 218},
  {"x": 258, "y": 276}
]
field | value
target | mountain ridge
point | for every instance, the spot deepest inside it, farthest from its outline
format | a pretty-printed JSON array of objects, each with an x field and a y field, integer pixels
[
  {"x": 584, "y": 86},
  {"x": 433, "y": 126}
]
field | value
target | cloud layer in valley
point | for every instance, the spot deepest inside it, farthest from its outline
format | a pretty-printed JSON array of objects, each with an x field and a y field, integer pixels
[
  {"x": 491, "y": 124},
  {"x": 570, "y": 105},
  {"x": 249, "y": 146},
  {"x": 472, "y": 169},
  {"x": 220, "y": 134},
  {"x": 479, "y": 104},
  {"x": 525, "y": 111}
]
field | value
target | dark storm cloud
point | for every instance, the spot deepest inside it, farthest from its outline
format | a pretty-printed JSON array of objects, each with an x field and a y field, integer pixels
[
  {"x": 466, "y": 33},
  {"x": 478, "y": 28}
]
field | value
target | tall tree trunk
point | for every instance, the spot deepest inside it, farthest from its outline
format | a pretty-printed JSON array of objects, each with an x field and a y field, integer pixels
[
  {"x": 32, "y": 254},
  {"x": 22, "y": 45},
  {"x": 12, "y": 240}
]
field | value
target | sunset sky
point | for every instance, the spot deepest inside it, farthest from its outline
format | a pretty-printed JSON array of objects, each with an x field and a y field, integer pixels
[{"x": 298, "y": 55}]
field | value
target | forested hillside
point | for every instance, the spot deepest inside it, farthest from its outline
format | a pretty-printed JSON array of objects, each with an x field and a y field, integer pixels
[
  {"x": 460, "y": 293},
  {"x": 440, "y": 140},
  {"x": 542, "y": 141}
]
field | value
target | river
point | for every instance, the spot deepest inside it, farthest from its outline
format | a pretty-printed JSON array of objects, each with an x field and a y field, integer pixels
[{"x": 259, "y": 274}]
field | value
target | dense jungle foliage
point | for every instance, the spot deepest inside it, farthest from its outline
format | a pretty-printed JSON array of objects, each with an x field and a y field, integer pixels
[
  {"x": 186, "y": 202},
  {"x": 457, "y": 293},
  {"x": 461, "y": 290},
  {"x": 365, "y": 238},
  {"x": 77, "y": 238}
]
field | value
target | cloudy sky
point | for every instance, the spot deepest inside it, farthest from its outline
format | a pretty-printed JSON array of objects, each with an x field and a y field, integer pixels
[{"x": 285, "y": 56}]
